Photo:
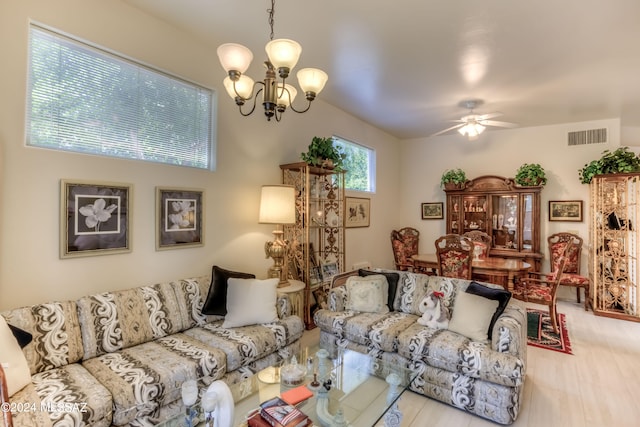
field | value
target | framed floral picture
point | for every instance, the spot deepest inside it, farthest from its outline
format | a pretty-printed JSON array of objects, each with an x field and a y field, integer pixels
[
  {"x": 179, "y": 217},
  {"x": 94, "y": 218}
]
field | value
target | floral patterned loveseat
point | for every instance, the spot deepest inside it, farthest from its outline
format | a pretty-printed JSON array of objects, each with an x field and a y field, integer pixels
[
  {"x": 485, "y": 377},
  {"x": 119, "y": 358}
]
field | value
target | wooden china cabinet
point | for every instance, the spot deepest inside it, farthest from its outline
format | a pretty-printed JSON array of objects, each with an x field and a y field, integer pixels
[{"x": 507, "y": 212}]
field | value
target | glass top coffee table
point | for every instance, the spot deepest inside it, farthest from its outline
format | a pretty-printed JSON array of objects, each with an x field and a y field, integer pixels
[{"x": 361, "y": 391}]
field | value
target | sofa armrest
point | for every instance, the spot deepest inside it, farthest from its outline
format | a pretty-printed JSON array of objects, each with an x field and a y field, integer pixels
[
  {"x": 283, "y": 306},
  {"x": 337, "y": 299},
  {"x": 510, "y": 331}
]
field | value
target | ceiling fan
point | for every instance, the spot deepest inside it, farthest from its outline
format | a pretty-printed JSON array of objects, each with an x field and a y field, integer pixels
[{"x": 472, "y": 125}]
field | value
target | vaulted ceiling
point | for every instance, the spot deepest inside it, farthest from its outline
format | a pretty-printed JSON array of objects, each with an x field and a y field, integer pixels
[{"x": 405, "y": 65}]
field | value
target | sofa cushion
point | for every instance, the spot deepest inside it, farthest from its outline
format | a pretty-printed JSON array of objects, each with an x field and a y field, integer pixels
[
  {"x": 216, "y": 302},
  {"x": 112, "y": 321},
  {"x": 190, "y": 295},
  {"x": 501, "y": 295},
  {"x": 68, "y": 395},
  {"x": 392, "y": 281},
  {"x": 247, "y": 344},
  {"x": 472, "y": 316},
  {"x": 367, "y": 294},
  {"x": 55, "y": 328},
  {"x": 145, "y": 377},
  {"x": 250, "y": 302},
  {"x": 374, "y": 330},
  {"x": 453, "y": 352},
  {"x": 14, "y": 364}
]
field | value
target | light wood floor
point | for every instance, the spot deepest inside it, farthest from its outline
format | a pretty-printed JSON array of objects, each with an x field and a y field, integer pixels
[{"x": 599, "y": 385}]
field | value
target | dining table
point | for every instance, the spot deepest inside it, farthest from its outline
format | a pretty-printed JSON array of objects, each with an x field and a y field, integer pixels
[{"x": 501, "y": 271}]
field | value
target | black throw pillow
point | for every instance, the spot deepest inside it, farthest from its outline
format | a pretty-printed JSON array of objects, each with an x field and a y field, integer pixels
[
  {"x": 500, "y": 295},
  {"x": 392, "y": 280},
  {"x": 216, "y": 302},
  {"x": 23, "y": 337}
]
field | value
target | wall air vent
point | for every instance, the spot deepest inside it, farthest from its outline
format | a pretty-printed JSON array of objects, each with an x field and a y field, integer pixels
[{"x": 591, "y": 136}]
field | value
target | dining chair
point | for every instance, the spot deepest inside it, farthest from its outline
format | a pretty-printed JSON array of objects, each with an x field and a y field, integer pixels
[
  {"x": 404, "y": 243},
  {"x": 542, "y": 288},
  {"x": 4, "y": 399},
  {"x": 455, "y": 253},
  {"x": 481, "y": 241},
  {"x": 571, "y": 276}
]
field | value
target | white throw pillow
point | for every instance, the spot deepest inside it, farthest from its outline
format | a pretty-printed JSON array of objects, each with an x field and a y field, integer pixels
[
  {"x": 367, "y": 294},
  {"x": 472, "y": 315},
  {"x": 250, "y": 302},
  {"x": 14, "y": 363}
]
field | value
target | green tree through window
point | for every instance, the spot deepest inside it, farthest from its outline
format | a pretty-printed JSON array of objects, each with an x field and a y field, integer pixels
[{"x": 359, "y": 164}]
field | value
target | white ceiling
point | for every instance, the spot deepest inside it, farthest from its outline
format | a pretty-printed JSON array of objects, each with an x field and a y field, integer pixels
[{"x": 404, "y": 65}]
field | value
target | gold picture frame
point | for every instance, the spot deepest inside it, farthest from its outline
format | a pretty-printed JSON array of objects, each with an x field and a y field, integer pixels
[
  {"x": 357, "y": 212},
  {"x": 94, "y": 218},
  {"x": 179, "y": 218}
]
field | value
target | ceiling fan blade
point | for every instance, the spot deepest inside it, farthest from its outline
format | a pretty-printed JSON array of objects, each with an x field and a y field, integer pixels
[
  {"x": 498, "y": 124},
  {"x": 489, "y": 115},
  {"x": 448, "y": 129}
]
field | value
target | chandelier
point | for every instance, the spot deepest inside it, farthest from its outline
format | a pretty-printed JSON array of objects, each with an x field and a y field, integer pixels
[{"x": 283, "y": 55}]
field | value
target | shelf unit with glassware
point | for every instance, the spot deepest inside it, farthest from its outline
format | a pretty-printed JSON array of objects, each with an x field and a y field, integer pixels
[
  {"x": 316, "y": 240},
  {"x": 613, "y": 258},
  {"x": 507, "y": 212}
]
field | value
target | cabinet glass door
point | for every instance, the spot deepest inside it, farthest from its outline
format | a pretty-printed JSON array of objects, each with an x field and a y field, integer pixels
[
  {"x": 527, "y": 222},
  {"x": 504, "y": 222},
  {"x": 475, "y": 213}
]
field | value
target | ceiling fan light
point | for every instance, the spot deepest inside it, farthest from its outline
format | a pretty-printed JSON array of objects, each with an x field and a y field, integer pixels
[
  {"x": 234, "y": 57},
  {"x": 283, "y": 53},
  {"x": 312, "y": 80},
  {"x": 243, "y": 87}
]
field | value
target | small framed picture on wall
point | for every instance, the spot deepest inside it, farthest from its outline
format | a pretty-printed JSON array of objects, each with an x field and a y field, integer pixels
[
  {"x": 432, "y": 210},
  {"x": 565, "y": 210}
]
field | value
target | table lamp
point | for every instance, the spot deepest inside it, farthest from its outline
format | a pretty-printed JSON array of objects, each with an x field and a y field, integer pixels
[{"x": 277, "y": 206}]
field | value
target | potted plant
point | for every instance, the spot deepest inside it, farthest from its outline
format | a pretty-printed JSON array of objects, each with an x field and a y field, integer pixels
[
  {"x": 530, "y": 174},
  {"x": 453, "y": 179},
  {"x": 620, "y": 161},
  {"x": 322, "y": 152}
]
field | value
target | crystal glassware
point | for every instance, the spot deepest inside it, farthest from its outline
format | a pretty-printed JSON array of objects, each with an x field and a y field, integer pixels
[
  {"x": 209, "y": 403},
  {"x": 189, "y": 397}
]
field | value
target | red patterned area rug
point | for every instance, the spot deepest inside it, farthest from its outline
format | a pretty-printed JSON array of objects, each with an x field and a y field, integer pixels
[{"x": 540, "y": 333}]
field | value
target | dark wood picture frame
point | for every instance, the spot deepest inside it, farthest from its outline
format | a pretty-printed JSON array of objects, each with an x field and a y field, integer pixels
[
  {"x": 565, "y": 210},
  {"x": 432, "y": 210}
]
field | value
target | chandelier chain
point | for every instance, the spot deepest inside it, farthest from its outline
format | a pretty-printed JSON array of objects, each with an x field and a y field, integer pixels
[{"x": 271, "y": 20}]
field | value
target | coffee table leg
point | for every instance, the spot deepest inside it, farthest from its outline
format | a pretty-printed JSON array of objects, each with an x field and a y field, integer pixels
[{"x": 393, "y": 417}]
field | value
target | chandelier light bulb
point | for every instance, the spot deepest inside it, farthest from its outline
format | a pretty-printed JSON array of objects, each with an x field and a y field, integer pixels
[
  {"x": 283, "y": 53},
  {"x": 285, "y": 99},
  {"x": 243, "y": 87},
  {"x": 312, "y": 80}
]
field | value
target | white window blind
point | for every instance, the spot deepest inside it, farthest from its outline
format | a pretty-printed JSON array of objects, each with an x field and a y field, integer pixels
[{"x": 87, "y": 100}]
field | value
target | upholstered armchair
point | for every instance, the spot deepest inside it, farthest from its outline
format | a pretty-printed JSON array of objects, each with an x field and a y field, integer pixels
[
  {"x": 455, "y": 254},
  {"x": 480, "y": 240},
  {"x": 571, "y": 276},
  {"x": 404, "y": 243}
]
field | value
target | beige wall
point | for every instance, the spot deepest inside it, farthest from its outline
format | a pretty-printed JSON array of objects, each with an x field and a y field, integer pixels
[
  {"x": 249, "y": 152},
  {"x": 501, "y": 153}
]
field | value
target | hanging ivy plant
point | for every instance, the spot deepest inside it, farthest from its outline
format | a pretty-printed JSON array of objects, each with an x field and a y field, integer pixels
[{"x": 620, "y": 161}]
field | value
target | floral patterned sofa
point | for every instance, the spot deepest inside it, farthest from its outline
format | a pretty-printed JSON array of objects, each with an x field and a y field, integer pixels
[
  {"x": 483, "y": 377},
  {"x": 119, "y": 358}
]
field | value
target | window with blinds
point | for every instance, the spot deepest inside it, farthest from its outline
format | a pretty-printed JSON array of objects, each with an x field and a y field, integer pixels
[{"x": 87, "y": 100}]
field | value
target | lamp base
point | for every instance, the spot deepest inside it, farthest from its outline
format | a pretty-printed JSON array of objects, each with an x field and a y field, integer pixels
[{"x": 278, "y": 251}]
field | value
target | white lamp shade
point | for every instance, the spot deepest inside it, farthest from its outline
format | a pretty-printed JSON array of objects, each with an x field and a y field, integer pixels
[
  {"x": 312, "y": 79},
  {"x": 234, "y": 57},
  {"x": 283, "y": 53},
  {"x": 244, "y": 87},
  {"x": 472, "y": 130},
  {"x": 285, "y": 98},
  {"x": 277, "y": 205}
]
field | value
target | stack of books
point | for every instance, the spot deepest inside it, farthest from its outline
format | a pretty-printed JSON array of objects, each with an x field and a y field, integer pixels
[{"x": 278, "y": 413}]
